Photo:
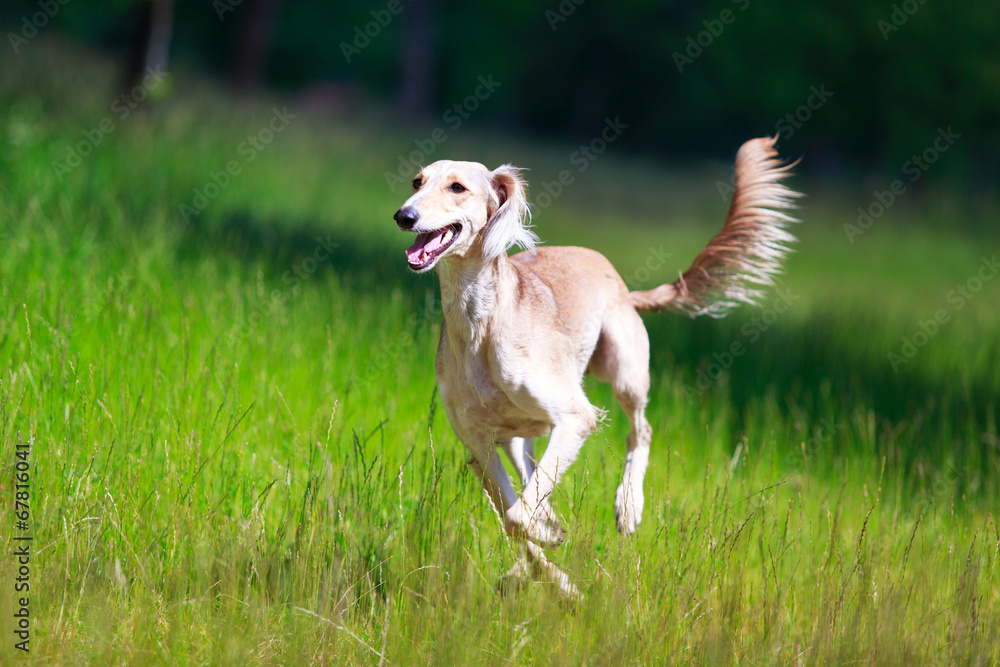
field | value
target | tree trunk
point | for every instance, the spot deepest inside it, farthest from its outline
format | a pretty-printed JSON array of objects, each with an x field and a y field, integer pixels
[
  {"x": 253, "y": 42},
  {"x": 150, "y": 47},
  {"x": 416, "y": 92}
]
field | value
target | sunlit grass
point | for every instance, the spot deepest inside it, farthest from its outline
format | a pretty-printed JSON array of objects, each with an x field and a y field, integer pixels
[{"x": 239, "y": 457}]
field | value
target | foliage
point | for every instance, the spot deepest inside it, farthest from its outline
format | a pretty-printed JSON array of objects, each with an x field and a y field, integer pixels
[{"x": 897, "y": 71}]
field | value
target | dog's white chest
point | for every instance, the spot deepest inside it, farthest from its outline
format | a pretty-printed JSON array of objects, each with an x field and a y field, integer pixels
[{"x": 477, "y": 397}]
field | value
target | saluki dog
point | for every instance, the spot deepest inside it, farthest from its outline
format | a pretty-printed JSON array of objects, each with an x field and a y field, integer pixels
[{"x": 521, "y": 331}]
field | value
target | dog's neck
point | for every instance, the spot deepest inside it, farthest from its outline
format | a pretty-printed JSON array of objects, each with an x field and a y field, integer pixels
[{"x": 470, "y": 293}]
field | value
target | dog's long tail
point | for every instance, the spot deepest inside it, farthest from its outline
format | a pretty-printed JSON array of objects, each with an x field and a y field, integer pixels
[{"x": 745, "y": 256}]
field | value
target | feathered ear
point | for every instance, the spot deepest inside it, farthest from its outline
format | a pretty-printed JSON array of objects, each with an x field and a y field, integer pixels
[{"x": 509, "y": 221}]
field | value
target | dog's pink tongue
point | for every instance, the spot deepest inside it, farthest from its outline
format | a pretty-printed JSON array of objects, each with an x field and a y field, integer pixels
[
  {"x": 423, "y": 247},
  {"x": 414, "y": 251}
]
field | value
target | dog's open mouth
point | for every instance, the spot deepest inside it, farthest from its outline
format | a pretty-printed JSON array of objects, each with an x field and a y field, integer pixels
[{"x": 430, "y": 246}]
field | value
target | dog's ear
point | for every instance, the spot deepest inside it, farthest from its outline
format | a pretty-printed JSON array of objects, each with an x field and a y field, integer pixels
[{"x": 509, "y": 216}]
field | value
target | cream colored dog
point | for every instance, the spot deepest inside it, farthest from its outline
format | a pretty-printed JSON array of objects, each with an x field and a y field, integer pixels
[{"x": 520, "y": 332}]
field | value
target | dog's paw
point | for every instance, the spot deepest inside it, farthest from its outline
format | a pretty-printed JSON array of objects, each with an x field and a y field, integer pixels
[
  {"x": 539, "y": 526},
  {"x": 628, "y": 509},
  {"x": 516, "y": 578}
]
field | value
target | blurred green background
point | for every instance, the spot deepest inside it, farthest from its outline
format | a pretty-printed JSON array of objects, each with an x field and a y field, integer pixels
[{"x": 689, "y": 77}]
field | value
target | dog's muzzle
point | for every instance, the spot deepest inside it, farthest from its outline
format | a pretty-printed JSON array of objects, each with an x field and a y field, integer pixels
[{"x": 406, "y": 218}]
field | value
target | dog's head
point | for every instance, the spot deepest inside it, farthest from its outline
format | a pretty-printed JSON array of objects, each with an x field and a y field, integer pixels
[{"x": 464, "y": 210}]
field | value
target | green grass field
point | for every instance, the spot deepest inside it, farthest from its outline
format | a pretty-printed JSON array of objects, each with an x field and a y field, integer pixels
[{"x": 238, "y": 456}]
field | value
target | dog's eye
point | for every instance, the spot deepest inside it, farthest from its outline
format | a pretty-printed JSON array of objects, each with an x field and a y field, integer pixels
[
  {"x": 457, "y": 188},
  {"x": 417, "y": 182}
]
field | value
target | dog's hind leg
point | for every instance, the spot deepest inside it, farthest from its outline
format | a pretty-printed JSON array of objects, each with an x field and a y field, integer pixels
[
  {"x": 622, "y": 358},
  {"x": 629, "y": 498}
]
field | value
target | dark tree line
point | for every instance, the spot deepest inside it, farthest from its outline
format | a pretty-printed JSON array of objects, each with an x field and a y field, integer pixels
[{"x": 688, "y": 76}]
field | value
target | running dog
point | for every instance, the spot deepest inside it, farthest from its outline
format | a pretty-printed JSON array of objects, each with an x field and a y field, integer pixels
[{"x": 520, "y": 332}]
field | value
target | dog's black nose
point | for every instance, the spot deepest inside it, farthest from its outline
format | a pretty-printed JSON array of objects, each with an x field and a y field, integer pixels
[{"x": 406, "y": 217}]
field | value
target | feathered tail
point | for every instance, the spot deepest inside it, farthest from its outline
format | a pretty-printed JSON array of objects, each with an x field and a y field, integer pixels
[{"x": 746, "y": 255}]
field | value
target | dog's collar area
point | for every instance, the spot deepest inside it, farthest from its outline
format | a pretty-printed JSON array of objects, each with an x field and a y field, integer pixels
[{"x": 430, "y": 245}]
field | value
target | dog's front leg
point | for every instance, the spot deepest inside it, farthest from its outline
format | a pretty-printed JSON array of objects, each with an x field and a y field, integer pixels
[
  {"x": 501, "y": 492},
  {"x": 489, "y": 468},
  {"x": 522, "y": 454},
  {"x": 532, "y": 517}
]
